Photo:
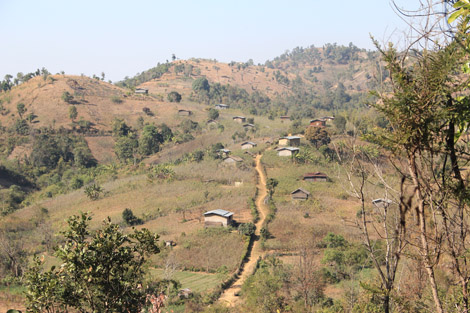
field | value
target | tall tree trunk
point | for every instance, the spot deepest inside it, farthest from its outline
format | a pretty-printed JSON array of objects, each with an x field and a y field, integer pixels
[{"x": 421, "y": 215}]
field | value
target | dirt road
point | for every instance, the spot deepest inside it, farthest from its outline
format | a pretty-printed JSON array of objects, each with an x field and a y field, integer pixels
[{"x": 229, "y": 296}]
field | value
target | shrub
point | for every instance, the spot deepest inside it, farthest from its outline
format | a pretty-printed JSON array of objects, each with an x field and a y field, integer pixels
[
  {"x": 116, "y": 99},
  {"x": 93, "y": 191},
  {"x": 130, "y": 219}
]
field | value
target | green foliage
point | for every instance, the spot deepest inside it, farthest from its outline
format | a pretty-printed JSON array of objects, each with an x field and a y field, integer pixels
[
  {"x": 120, "y": 128},
  {"x": 247, "y": 229},
  {"x": 201, "y": 85},
  {"x": 125, "y": 148},
  {"x": 21, "y": 108},
  {"x": 67, "y": 97},
  {"x": 263, "y": 290},
  {"x": 150, "y": 140},
  {"x": 340, "y": 123},
  {"x": 21, "y": 127},
  {"x": 50, "y": 148},
  {"x": 213, "y": 114},
  {"x": 101, "y": 270},
  {"x": 271, "y": 184},
  {"x": 343, "y": 257},
  {"x": 93, "y": 191},
  {"x": 174, "y": 97},
  {"x": 166, "y": 132},
  {"x": 155, "y": 72},
  {"x": 318, "y": 136},
  {"x": 130, "y": 219},
  {"x": 116, "y": 99}
]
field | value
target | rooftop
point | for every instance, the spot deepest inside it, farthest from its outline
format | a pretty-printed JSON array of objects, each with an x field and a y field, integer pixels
[
  {"x": 302, "y": 190},
  {"x": 219, "y": 212},
  {"x": 288, "y": 148},
  {"x": 290, "y": 137},
  {"x": 317, "y": 174}
]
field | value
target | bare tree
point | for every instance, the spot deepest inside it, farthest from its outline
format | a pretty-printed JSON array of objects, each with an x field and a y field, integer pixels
[{"x": 384, "y": 220}]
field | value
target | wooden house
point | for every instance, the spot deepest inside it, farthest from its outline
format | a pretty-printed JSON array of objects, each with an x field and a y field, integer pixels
[
  {"x": 184, "y": 112},
  {"x": 232, "y": 160},
  {"x": 218, "y": 217},
  {"x": 141, "y": 91},
  {"x": 381, "y": 203},
  {"x": 287, "y": 151},
  {"x": 319, "y": 122},
  {"x": 292, "y": 141},
  {"x": 239, "y": 119},
  {"x": 300, "y": 194},
  {"x": 221, "y": 106},
  {"x": 248, "y": 145},
  {"x": 315, "y": 177}
]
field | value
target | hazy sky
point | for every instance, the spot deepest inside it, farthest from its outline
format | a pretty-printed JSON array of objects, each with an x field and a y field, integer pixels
[{"x": 123, "y": 38}]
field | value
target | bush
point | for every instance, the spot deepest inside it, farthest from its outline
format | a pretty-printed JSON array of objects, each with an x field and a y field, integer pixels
[
  {"x": 130, "y": 219},
  {"x": 116, "y": 99},
  {"x": 174, "y": 97},
  {"x": 247, "y": 229},
  {"x": 67, "y": 97}
]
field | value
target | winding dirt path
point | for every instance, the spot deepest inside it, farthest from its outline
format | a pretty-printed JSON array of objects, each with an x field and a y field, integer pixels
[{"x": 229, "y": 296}]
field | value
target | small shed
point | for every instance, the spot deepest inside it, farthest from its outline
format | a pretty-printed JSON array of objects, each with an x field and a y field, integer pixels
[
  {"x": 232, "y": 160},
  {"x": 319, "y": 122},
  {"x": 292, "y": 141},
  {"x": 328, "y": 118},
  {"x": 287, "y": 151},
  {"x": 218, "y": 217},
  {"x": 315, "y": 177},
  {"x": 300, "y": 194},
  {"x": 183, "y": 112},
  {"x": 141, "y": 91},
  {"x": 239, "y": 119},
  {"x": 211, "y": 122},
  {"x": 381, "y": 203},
  {"x": 224, "y": 152},
  {"x": 221, "y": 106},
  {"x": 248, "y": 125},
  {"x": 248, "y": 145}
]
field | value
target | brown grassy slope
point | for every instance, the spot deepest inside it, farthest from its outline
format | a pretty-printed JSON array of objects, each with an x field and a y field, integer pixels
[
  {"x": 259, "y": 78},
  {"x": 93, "y": 99}
]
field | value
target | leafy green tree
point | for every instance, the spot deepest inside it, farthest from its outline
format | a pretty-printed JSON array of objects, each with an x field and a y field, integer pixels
[
  {"x": 166, "y": 132},
  {"x": 318, "y": 136},
  {"x": 174, "y": 97},
  {"x": 21, "y": 108},
  {"x": 201, "y": 84},
  {"x": 213, "y": 114},
  {"x": 340, "y": 123},
  {"x": 120, "y": 128},
  {"x": 101, "y": 271},
  {"x": 125, "y": 148},
  {"x": 150, "y": 140}
]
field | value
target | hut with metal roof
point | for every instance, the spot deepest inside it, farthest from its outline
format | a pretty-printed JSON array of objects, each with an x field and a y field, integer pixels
[{"x": 217, "y": 218}]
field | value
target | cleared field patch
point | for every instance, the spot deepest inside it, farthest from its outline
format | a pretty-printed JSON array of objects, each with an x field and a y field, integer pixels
[{"x": 196, "y": 281}]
